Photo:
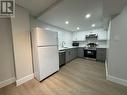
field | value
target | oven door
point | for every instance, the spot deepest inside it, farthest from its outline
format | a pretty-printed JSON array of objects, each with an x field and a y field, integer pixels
[{"x": 90, "y": 53}]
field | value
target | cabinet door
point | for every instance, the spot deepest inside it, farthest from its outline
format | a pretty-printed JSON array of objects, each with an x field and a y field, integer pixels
[
  {"x": 67, "y": 55},
  {"x": 75, "y": 52},
  {"x": 101, "y": 54},
  {"x": 71, "y": 54},
  {"x": 80, "y": 52},
  {"x": 102, "y": 35}
]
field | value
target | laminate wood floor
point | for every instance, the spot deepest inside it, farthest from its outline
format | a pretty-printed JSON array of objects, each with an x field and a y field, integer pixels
[{"x": 79, "y": 77}]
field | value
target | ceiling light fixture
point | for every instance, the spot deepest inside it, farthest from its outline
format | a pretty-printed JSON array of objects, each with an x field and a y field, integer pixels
[
  {"x": 66, "y": 22},
  {"x": 78, "y": 28},
  {"x": 88, "y": 15},
  {"x": 46, "y": 28},
  {"x": 93, "y": 25}
]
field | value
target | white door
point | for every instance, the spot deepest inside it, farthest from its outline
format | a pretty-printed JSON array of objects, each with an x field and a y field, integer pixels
[
  {"x": 48, "y": 61},
  {"x": 45, "y": 38}
]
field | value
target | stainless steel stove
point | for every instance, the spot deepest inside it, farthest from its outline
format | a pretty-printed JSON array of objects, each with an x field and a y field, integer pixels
[{"x": 90, "y": 50}]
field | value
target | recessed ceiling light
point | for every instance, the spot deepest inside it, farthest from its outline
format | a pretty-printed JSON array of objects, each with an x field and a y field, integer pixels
[
  {"x": 78, "y": 28},
  {"x": 46, "y": 28},
  {"x": 93, "y": 25},
  {"x": 88, "y": 15},
  {"x": 66, "y": 22}
]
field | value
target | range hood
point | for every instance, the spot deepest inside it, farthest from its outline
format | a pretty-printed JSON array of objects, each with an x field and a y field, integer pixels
[{"x": 92, "y": 36}]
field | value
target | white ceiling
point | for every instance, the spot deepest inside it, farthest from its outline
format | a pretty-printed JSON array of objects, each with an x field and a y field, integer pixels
[
  {"x": 35, "y": 6},
  {"x": 111, "y": 7},
  {"x": 74, "y": 11}
]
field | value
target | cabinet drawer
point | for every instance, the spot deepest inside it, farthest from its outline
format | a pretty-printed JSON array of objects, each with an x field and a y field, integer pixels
[{"x": 101, "y": 50}]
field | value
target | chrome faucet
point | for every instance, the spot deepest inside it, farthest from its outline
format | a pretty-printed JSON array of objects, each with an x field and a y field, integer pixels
[{"x": 63, "y": 43}]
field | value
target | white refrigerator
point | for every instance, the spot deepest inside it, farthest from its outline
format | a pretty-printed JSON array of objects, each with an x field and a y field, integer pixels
[{"x": 45, "y": 53}]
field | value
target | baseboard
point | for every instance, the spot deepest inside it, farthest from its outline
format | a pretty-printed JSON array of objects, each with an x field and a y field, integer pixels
[
  {"x": 7, "y": 82},
  {"x": 117, "y": 80},
  {"x": 24, "y": 79},
  {"x": 106, "y": 68},
  {"x": 113, "y": 78}
]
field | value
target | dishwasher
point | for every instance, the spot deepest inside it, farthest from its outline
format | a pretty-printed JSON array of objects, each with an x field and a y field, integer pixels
[{"x": 62, "y": 59}]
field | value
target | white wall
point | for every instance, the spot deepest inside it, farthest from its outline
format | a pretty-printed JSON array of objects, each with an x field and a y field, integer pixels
[
  {"x": 66, "y": 37},
  {"x": 63, "y": 35},
  {"x": 102, "y": 36},
  {"x": 7, "y": 73},
  {"x": 22, "y": 45},
  {"x": 117, "y": 59}
]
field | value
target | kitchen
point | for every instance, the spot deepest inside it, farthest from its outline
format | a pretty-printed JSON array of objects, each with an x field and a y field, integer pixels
[
  {"x": 62, "y": 47},
  {"x": 92, "y": 41},
  {"x": 89, "y": 45}
]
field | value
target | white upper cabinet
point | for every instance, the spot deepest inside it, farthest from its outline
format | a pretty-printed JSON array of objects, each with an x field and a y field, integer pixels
[
  {"x": 80, "y": 36},
  {"x": 102, "y": 35}
]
